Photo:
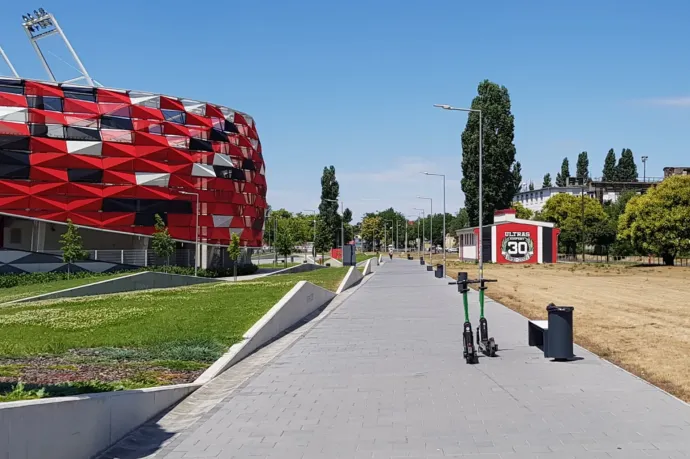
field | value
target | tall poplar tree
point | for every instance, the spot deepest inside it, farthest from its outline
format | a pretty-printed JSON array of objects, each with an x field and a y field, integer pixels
[
  {"x": 500, "y": 169},
  {"x": 626, "y": 171},
  {"x": 608, "y": 174},
  {"x": 328, "y": 210},
  {"x": 562, "y": 176},
  {"x": 582, "y": 170}
]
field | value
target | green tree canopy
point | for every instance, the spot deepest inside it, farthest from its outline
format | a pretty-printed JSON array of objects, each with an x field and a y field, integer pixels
[
  {"x": 531, "y": 185},
  {"x": 162, "y": 244},
  {"x": 565, "y": 210},
  {"x": 547, "y": 181},
  {"x": 71, "y": 245},
  {"x": 562, "y": 176},
  {"x": 234, "y": 251},
  {"x": 324, "y": 242},
  {"x": 522, "y": 212},
  {"x": 582, "y": 168},
  {"x": 626, "y": 170},
  {"x": 500, "y": 169},
  {"x": 608, "y": 174},
  {"x": 328, "y": 209},
  {"x": 285, "y": 242},
  {"x": 658, "y": 222},
  {"x": 372, "y": 229}
]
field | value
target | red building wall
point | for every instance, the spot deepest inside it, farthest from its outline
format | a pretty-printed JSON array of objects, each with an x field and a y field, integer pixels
[{"x": 517, "y": 243}]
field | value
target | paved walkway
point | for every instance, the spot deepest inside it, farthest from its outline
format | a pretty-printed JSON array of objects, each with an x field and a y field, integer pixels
[{"x": 383, "y": 377}]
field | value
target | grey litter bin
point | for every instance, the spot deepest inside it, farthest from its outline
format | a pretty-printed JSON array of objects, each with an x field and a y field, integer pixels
[
  {"x": 560, "y": 336},
  {"x": 439, "y": 271},
  {"x": 421, "y": 261}
]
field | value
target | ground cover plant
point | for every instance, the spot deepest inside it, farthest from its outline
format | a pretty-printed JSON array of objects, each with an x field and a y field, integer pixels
[{"x": 131, "y": 340}]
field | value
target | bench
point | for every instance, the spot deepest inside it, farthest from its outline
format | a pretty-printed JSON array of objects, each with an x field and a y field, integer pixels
[{"x": 537, "y": 334}]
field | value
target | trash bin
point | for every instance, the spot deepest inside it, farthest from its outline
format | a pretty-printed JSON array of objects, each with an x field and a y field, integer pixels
[
  {"x": 429, "y": 268},
  {"x": 421, "y": 261},
  {"x": 439, "y": 271},
  {"x": 560, "y": 336}
]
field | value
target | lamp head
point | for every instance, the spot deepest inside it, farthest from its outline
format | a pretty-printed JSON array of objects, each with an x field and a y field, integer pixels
[{"x": 443, "y": 106}]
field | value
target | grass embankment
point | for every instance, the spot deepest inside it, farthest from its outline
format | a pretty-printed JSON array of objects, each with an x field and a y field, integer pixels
[
  {"x": 636, "y": 317},
  {"x": 26, "y": 291},
  {"x": 142, "y": 339}
]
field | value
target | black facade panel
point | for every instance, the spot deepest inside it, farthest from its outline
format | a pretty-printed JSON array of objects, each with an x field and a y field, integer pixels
[
  {"x": 248, "y": 164},
  {"x": 200, "y": 145},
  {"x": 49, "y": 103},
  {"x": 148, "y": 219},
  {"x": 85, "y": 175},
  {"x": 218, "y": 135},
  {"x": 11, "y": 86},
  {"x": 231, "y": 127},
  {"x": 237, "y": 174},
  {"x": 486, "y": 243},
  {"x": 147, "y": 206},
  {"x": 14, "y": 142},
  {"x": 87, "y": 94},
  {"x": 14, "y": 172},
  {"x": 547, "y": 245},
  {"x": 14, "y": 158},
  {"x": 116, "y": 122}
]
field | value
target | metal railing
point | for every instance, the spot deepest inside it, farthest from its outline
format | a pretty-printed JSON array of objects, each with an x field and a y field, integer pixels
[{"x": 636, "y": 259}]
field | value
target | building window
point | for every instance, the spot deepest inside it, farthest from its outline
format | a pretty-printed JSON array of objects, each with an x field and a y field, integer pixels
[{"x": 15, "y": 236}]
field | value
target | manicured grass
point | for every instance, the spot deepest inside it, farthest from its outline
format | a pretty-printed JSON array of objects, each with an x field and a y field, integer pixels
[
  {"x": 364, "y": 256},
  {"x": 26, "y": 291},
  {"x": 216, "y": 313}
]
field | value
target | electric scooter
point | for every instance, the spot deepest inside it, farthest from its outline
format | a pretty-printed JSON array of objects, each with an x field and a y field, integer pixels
[
  {"x": 469, "y": 352},
  {"x": 487, "y": 345}
]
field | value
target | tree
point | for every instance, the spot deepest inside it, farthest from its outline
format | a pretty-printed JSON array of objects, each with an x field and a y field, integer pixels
[
  {"x": 328, "y": 210},
  {"x": 608, "y": 174},
  {"x": 162, "y": 244},
  {"x": 531, "y": 185},
  {"x": 547, "y": 181},
  {"x": 499, "y": 169},
  {"x": 626, "y": 170},
  {"x": 372, "y": 226},
  {"x": 657, "y": 222},
  {"x": 234, "y": 252},
  {"x": 522, "y": 212},
  {"x": 285, "y": 242},
  {"x": 614, "y": 210},
  {"x": 562, "y": 176},
  {"x": 71, "y": 245},
  {"x": 347, "y": 219},
  {"x": 324, "y": 243},
  {"x": 565, "y": 210},
  {"x": 582, "y": 170}
]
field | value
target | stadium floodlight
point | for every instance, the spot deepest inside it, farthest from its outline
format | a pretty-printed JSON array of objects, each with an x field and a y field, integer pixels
[{"x": 42, "y": 26}]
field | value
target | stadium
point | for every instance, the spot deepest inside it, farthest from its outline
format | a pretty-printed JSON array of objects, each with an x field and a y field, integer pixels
[{"x": 109, "y": 160}]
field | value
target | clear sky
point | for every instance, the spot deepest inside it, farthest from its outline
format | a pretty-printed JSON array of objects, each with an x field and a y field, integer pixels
[{"x": 352, "y": 84}]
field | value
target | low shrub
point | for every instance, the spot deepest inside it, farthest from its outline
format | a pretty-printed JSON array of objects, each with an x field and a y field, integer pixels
[{"x": 242, "y": 270}]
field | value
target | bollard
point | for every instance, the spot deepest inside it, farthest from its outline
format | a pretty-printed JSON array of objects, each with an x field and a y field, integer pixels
[{"x": 439, "y": 271}]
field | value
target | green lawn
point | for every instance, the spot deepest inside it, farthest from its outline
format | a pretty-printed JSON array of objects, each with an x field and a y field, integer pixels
[
  {"x": 364, "y": 256},
  {"x": 140, "y": 339},
  {"x": 218, "y": 313},
  {"x": 26, "y": 291}
]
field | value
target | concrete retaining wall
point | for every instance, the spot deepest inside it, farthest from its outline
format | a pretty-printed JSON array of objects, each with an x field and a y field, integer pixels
[
  {"x": 303, "y": 268},
  {"x": 128, "y": 283},
  {"x": 302, "y": 300},
  {"x": 79, "y": 427},
  {"x": 367, "y": 267},
  {"x": 353, "y": 277}
]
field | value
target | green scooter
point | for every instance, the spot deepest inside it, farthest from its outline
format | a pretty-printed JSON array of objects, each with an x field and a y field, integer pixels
[{"x": 486, "y": 345}]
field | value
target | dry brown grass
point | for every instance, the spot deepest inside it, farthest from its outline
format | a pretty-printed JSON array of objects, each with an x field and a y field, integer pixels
[{"x": 635, "y": 317}]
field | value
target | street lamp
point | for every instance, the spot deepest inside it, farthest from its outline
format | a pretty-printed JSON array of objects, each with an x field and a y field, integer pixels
[
  {"x": 481, "y": 194},
  {"x": 313, "y": 248},
  {"x": 422, "y": 240},
  {"x": 342, "y": 223},
  {"x": 444, "y": 216},
  {"x": 431, "y": 223},
  {"x": 644, "y": 166},
  {"x": 196, "y": 238}
]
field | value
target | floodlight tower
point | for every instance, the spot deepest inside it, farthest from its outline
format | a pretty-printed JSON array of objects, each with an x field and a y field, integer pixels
[{"x": 41, "y": 25}]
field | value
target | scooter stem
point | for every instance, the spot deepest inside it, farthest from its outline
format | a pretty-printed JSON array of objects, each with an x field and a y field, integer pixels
[
  {"x": 481, "y": 299},
  {"x": 464, "y": 300}
]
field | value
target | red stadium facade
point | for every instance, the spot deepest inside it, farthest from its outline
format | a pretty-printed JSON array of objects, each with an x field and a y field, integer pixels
[{"x": 112, "y": 159}]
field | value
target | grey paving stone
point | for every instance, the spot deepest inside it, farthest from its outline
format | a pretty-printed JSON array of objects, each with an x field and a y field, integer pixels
[{"x": 382, "y": 376}]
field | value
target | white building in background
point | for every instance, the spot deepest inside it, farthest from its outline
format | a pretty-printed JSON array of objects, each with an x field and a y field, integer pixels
[{"x": 535, "y": 200}]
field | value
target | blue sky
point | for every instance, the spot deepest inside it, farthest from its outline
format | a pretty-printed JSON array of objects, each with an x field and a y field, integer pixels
[{"x": 353, "y": 83}]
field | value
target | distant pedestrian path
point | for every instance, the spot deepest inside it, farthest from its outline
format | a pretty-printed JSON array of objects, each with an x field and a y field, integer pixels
[{"x": 383, "y": 376}]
